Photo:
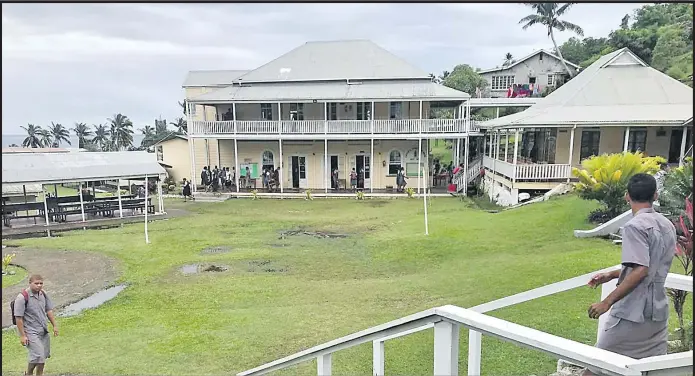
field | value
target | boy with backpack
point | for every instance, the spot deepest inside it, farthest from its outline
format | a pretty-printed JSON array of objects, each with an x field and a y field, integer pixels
[{"x": 30, "y": 311}]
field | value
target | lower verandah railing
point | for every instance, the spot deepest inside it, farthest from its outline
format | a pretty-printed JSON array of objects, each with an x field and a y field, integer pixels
[
  {"x": 528, "y": 172},
  {"x": 332, "y": 126},
  {"x": 448, "y": 320}
]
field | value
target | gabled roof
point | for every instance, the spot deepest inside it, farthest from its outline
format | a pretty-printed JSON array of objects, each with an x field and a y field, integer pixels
[
  {"x": 335, "y": 60},
  {"x": 618, "y": 88},
  {"x": 50, "y": 168},
  {"x": 212, "y": 78},
  {"x": 335, "y": 91},
  {"x": 526, "y": 58},
  {"x": 170, "y": 136}
]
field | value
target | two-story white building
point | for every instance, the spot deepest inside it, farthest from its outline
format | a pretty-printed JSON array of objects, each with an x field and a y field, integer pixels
[
  {"x": 534, "y": 72},
  {"x": 618, "y": 103},
  {"x": 323, "y": 106}
]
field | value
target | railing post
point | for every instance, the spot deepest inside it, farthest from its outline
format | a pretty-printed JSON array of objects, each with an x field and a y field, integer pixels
[
  {"x": 446, "y": 348},
  {"x": 606, "y": 289},
  {"x": 378, "y": 358},
  {"x": 323, "y": 365},
  {"x": 475, "y": 342}
]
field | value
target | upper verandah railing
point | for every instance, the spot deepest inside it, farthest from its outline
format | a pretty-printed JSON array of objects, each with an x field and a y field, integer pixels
[{"x": 404, "y": 126}]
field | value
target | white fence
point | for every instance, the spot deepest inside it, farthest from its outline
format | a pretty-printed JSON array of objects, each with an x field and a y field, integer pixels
[
  {"x": 472, "y": 173},
  {"x": 527, "y": 172},
  {"x": 448, "y": 320},
  {"x": 405, "y": 126}
]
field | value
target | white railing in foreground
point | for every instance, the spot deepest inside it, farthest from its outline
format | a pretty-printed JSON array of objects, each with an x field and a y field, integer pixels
[
  {"x": 447, "y": 321},
  {"x": 472, "y": 173}
]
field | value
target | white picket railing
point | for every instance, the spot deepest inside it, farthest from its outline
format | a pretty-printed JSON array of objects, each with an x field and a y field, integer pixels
[
  {"x": 473, "y": 172},
  {"x": 448, "y": 320},
  {"x": 404, "y": 126},
  {"x": 528, "y": 172}
]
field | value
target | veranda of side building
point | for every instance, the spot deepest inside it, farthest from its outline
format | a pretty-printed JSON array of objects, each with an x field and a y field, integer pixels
[{"x": 617, "y": 104}]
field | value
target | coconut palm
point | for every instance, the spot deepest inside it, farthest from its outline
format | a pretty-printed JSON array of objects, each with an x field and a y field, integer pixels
[
  {"x": 33, "y": 139},
  {"x": 180, "y": 125},
  {"x": 101, "y": 136},
  {"x": 59, "y": 134},
  {"x": 149, "y": 134},
  {"x": 548, "y": 15},
  {"x": 508, "y": 59},
  {"x": 45, "y": 136},
  {"x": 14, "y": 146},
  {"x": 160, "y": 127},
  {"x": 121, "y": 132},
  {"x": 82, "y": 131}
]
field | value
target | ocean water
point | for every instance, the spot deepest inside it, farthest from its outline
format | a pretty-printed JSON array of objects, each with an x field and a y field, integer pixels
[{"x": 9, "y": 139}]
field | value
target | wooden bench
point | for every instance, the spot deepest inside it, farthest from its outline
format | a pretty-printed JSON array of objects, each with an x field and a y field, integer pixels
[{"x": 21, "y": 210}]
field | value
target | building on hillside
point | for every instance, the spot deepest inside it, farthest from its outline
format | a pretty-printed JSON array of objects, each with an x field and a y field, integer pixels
[
  {"x": 617, "y": 104},
  {"x": 323, "y": 106},
  {"x": 536, "y": 72},
  {"x": 173, "y": 154}
]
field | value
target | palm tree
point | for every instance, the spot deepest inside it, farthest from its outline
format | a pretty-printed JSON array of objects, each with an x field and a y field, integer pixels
[
  {"x": 508, "y": 59},
  {"x": 46, "y": 137},
  {"x": 33, "y": 139},
  {"x": 183, "y": 106},
  {"x": 444, "y": 75},
  {"x": 82, "y": 132},
  {"x": 181, "y": 126},
  {"x": 101, "y": 136},
  {"x": 149, "y": 138},
  {"x": 13, "y": 146},
  {"x": 160, "y": 127},
  {"x": 548, "y": 15},
  {"x": 121, "y": 132},
  {"x": 59, "y": 134}
]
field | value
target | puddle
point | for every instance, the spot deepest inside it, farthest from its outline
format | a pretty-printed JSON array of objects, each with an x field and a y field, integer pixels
[
  {"x": 198, "y": 268},
  {"x": 215, "y": 250},
  {"x": 266, "y": 266},
  {"x": 92, "y": 301},
  {"x": 317, "y": 234}
]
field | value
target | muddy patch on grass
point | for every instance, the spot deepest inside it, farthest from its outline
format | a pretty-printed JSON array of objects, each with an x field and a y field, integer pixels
[
  {"x": 266, "y": 266},
  {"x": 216, "y": 250},
  {"x": 92, "y": 301},
  {"x": 316, "y": 234},
  {"x": 191, "y": 269}
]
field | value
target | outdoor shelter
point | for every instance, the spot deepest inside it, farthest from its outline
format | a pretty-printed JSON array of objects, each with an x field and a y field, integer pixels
[{"x": 27, "y": 169}]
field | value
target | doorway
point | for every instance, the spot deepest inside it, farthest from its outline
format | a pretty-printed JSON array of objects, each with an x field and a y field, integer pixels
[
  {"x": 298, "y": 163},
  {"x": 334, "y": 166},
  {"x": 674, "y": 149},
  {"x": 362, "y": 166}
]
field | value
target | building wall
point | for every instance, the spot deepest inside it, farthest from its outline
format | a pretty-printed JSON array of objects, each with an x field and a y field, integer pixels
[
  {"x": 252, "y": 151},
  {"x": 175, "y": 153},
  {"x": 611, "y": 141},
  {"x": 534, "y": 66}
]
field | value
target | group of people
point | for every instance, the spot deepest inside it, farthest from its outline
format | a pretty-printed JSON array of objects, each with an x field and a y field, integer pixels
[
  {"x": 270, "y": 176},
  {"x": 218, "y": 179}
]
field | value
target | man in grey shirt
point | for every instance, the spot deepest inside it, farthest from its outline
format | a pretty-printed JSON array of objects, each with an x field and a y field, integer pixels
[
  {"x": 31, "y": 313},
  {"x": 638, "y": 320}
]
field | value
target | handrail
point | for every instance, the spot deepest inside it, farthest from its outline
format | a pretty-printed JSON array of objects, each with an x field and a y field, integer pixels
[{"x": 477, "y": 322}]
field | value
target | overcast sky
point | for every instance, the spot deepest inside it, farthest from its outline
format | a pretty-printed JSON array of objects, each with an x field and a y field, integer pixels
[{"x": 72, "y": 63}]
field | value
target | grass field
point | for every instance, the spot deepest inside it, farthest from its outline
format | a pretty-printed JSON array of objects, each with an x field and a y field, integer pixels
[
  {"x": 321, "y": 289},
  {"x": 13, "y": 279}
]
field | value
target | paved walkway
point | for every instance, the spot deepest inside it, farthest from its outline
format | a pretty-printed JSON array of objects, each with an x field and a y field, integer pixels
[{"x": 69, "y": 276}]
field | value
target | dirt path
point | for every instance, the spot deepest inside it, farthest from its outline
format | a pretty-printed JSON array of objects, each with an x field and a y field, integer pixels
[{"x": 68, "y": 275}]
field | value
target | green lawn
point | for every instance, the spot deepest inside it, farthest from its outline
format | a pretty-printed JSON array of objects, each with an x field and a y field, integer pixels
[
  {"x": 13, "y": 279},
  {"x": 223, "y": 323},
  {"x": 66, "y": 191}
]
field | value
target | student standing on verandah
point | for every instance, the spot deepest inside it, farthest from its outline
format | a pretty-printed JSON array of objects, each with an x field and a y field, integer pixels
[
  {"x": 30, "y": 313},
  {"x": 638, "y": 323}
]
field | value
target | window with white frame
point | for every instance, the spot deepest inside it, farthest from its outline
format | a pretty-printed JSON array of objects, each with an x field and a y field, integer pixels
[
  {"x": 296, "y": 111},
  {"x": 551, "y": 80},
  {"x": 267, "y": 111},
  {"x": 268, "y": 160},
  {"x": 333, "y": 111},
  {"x": 396, "y": 110},
  {"x": 502, "y": 82},
  {"x": 636, "y": 140},
  {"x": 364, "y": 110},
  {"x": 395, "y": 162}
]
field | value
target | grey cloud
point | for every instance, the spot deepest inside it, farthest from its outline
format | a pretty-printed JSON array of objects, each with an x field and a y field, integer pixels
[{"x": 85, "y": 62}]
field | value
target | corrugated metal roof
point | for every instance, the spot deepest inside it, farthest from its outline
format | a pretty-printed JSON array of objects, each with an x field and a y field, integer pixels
[
  {"x": 526, "y": 58},
  {"x": 370, "y": 90},
  {"x": 47, "y": 168},
  {"x": 335, "y": 60},
  {"x": 212, "y": 78},
  {"x": 617, "y": 88},
  {"x": 17, "y": 189},
  {"x": 40, "y": 150}
]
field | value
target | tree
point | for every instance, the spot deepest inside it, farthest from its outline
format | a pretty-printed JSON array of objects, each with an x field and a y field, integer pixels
[
  {"x": 548, "y": 14},
  {"x": 624, "y": 23},
  {"x": 464, "y": 78},
  {"x": 14, "y": 145},
  {"x": 182, "y": 127},
  {"x": 101, "y": 136},
  {"x": 183, "y": 106},
  {"x": 508, "y": 59},
  {"x": 82, "y": 131},
  {"x": 59, "y": 134},
  {"x": 150, "y": 136},
  {"x": 45, "y": 136},
  {"x": 160, "y": 127},
  {"x": 121, "y": 132},
  {"x": 678, "y": 185},
  {"x": 684, "y": 254},
  {"x": 672, "y": 43},
  {"x": 33, "y": 139},
  {"x": 443, "y": 76}
]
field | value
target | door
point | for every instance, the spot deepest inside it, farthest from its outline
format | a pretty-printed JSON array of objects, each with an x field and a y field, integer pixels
[
  {"x": 674, "y": 149},
  {"x": 298, "y": 163},
  {"x": 334, "y": 166},
  {"x": 362, "y": 166}
]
